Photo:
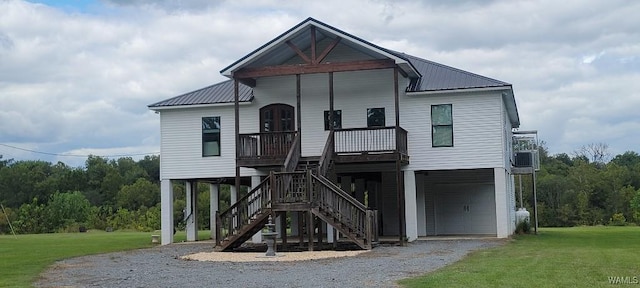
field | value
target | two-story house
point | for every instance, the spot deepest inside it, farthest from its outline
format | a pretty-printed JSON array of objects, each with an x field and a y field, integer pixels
[{"x": 338, "y": 137}]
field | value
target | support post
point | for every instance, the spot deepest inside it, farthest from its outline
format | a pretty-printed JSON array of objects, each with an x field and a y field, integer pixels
[
  {"x": 255, "y": 181},
  {"x": 310, "y": 229},
  {"x": 214, "y": 202},
  {"x": 501, "y": 202},
  {"x": 402, "y": 227},
  {"x": 166, "y": 209},
  {"x": 236, "y": 108},
  {"x": 233, "y": 191},
  {"x": 298, "y": 107},
  {"x": 301, "y": 227},
  {"x": 411, "y": 211},
  {"x": 331, "y": 128},
  {"x": 535, "y": 202},
  {"x": 191, "y": 210},
  {"x": 283, "y": 227}
]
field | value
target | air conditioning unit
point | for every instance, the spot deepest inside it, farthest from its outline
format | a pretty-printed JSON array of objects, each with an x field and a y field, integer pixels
[{"x": 523, "y": 159}]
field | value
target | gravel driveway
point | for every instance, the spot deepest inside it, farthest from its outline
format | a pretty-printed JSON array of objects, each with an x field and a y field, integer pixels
[{"x": 162, "y": 267}]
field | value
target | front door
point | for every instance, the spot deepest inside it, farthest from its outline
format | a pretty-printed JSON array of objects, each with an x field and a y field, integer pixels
[{"x": 276, "y": 118}]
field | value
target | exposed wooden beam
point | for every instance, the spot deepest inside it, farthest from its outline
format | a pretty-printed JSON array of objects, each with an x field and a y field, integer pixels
[
  {"x": 248, "y": 81},
  {"x": 313, "y": 45},
  {"x": 311, "y": 69},
  {"x": 299, "y": 52},
  {"x": 327, "y": 50}
]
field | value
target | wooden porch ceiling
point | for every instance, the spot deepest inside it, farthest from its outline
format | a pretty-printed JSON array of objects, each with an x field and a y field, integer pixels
[
  {"x": 312, "y": 64},
  {"x": 282, "y": 70}
]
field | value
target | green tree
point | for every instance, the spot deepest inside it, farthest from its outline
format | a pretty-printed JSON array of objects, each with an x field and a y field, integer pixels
[
  {"x": 141, "y": 193},
  {"x": 65, "y": 209}
]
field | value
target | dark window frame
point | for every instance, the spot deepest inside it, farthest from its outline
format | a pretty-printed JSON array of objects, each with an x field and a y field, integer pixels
[
  {"x": 337, "y": 119},
  {"x": 435, "y": 126},
  {"x": 376, "y": 117},
  {"x": 209, "y": 135}
]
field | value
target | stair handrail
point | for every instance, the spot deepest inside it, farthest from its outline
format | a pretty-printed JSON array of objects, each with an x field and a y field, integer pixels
[
  {"x": 357, "y": 217},
  {"x": 241, "y": 207},
  {"x": 327, "y": 155},
  {"x": 293, "y": 156},
  {"x": 336, "y": 189}
]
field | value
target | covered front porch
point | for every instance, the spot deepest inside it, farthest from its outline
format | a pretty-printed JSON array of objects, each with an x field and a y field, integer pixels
[{"x": 355, "y": 145}]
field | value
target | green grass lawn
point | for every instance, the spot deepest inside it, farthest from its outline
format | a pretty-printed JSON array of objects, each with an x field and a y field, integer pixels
[
  {"x": 556, "y": 257},
  {"x": 24, "y": 257}
]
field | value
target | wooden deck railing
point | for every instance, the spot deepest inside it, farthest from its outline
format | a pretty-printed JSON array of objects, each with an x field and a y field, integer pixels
[
  {"x": 290, "y": 187},
  {"x": 327, "y": 155},
  {"x": 231, "y": 221},
  {"x": 373, "y": 139},
  {"x": 345, "y": 209},
  {"x": 304, "y": 187},
  {"x": 266, "y": 145},
  {"x": 291, "y": 162}
]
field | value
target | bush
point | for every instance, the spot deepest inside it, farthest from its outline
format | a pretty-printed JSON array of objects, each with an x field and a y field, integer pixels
[
  {"x": 618, "y": 219},
  {"x": 523, "y": 227}
]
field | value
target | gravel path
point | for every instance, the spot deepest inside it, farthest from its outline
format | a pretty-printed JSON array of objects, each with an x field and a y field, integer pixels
[{"x": 163, "y": 267}]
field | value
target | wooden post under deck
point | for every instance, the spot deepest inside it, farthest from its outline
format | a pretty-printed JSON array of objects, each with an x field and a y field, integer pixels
[
  {"x": 399, "y": 177},
  {"x": 301, "y": 227},
  {"x": 330, "y": 102},
  {"x": 283, "y": 227},
  {"x": 298, "y": 110},
  {"x": 310, "y": 229},
  {"x": 236, "y": 96}
]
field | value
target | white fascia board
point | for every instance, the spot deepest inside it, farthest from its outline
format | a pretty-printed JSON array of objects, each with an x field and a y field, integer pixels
[
  {"x": 197, "y": 106},
  {"x": 433, "y": 92}
]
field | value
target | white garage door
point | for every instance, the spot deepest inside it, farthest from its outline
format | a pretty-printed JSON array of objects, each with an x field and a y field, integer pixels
[{"x": 465, "y": 209}]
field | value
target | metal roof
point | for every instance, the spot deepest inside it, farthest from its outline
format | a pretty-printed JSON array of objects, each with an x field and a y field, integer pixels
[
  {"x": 436, "y": 76},
  {"x": 215, "y": 94},
  {"x": 430, "y": 76}
]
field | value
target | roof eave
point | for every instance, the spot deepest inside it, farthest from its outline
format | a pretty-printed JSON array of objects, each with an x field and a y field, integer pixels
[
  {"x": 457, "y": 90},
  {"x": 173, "y": 107},
  {"x": 404, "y": 64}
]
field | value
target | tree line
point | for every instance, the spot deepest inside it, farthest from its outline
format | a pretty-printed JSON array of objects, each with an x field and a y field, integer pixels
[
  {"x": 42, "y": 197},
  {"x": 585, "y": 188}
]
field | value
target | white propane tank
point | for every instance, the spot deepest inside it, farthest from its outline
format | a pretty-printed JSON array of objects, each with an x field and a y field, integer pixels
[{"x": 522, "y": 215}]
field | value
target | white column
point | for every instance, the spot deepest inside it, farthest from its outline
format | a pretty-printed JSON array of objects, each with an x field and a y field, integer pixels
[
  {"x": 329, "y": 233},
  {"x": 502, "y": 216},
  {"x": 411, "y": 208},
  {"x": 255, "y": 181},
  {"x": 191, "y": 210},
  {"x": 214, "y": 198},
  {"x": 166, "y": 210}
]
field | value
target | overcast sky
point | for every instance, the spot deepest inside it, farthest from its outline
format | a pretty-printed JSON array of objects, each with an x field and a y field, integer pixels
[{"x": 76, "y": 76}]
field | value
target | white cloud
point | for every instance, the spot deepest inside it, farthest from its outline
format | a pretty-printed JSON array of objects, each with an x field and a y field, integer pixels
[{"x": 80, "y": 80}]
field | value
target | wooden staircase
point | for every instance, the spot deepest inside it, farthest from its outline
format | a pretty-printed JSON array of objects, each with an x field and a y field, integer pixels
[{"x": 306, "y": 189}]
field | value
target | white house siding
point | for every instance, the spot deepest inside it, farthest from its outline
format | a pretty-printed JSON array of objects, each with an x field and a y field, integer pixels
[
  {"x": 314, "y": 101},
  {"x": 354, "y": 92},
  {"x": 477, "y": 131},
  {"x": 181, "y": 144}
]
